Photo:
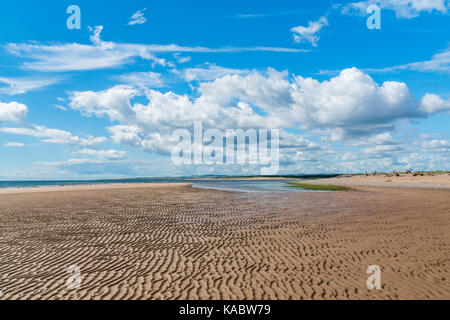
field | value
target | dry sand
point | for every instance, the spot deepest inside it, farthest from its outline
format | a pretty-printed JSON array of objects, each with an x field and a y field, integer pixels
[
  {"x": 438, "y": 182},
  {"x": 91, "y": 187},
  {"x": 178, "y": 242}
]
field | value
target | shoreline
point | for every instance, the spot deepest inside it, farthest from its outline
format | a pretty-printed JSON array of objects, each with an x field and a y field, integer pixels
[
  {"x": 435, "y": 182},
  {"x": 86, "y": 187}
]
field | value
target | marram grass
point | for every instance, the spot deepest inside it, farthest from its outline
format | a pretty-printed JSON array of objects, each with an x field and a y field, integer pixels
[{"x": 318, "y": 187}]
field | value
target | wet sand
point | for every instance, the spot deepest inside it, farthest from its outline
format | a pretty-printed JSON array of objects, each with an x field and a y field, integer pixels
[{"x": 178, "y": 242}]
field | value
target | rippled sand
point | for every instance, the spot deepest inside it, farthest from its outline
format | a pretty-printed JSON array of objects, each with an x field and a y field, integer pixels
[{"x": 177, "y": 242}]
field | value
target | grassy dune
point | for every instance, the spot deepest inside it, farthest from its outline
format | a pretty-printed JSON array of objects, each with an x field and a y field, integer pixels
[{"x": 318, "y": 187}]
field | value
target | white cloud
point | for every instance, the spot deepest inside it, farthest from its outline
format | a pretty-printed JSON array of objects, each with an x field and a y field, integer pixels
[
  {"x": 382, "y": 151},
  {"x": 138, "y": 18},
  {"x": 382, "y": 139},
  {"x": 90, "y": 168},
  {"x": 439, "y": 62},
  {"x": 436, "y": 145},
  {"x": 271, "y": 91},
  {"x": 14, "y": 144},
  {"x": 146, "y": 79},
  {"x": 347, "y": 106},
  {"x": 13, "y": 112},
  {"x": 406, "y": 9},
  {"x": 267, "y": 15},
  {"x": 180, "y": 59},
  {"x": 55, "y": 136},
  {"x": 26, "y": 84},
  {"x": 102, "y": 54},
  {"x": 128, "y": 134},
  {"x": 297, "y": 142},
  {"x": 432, "y": 104},
  {"x": 350, "y": 107},
  {"x": 76, "y": 57},
  {"x": 311, "y": 32},
  {"x": 104, "y": 154},
  {"x": 60, "y": 107},
  {"x": 207, "y": 72},
  {"x": 98, "y": 169},
  {"x": 95, "y": 38},
  {"x": 375, "y": 140},
  {"x": 17, "y": 113},
  {"x": 351, "y": 100},
  {"x": 114, "y": 102}
]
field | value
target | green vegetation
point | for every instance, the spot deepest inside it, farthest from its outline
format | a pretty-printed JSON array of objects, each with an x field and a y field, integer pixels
[
  {"x": 300, "y": 176},
  {"x": 318, "y": 187}
]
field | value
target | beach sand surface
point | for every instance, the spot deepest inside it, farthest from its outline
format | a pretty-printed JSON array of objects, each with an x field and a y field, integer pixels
[
  {"x": 437, "y": 182},
  {"x": 179, "y": 242}
]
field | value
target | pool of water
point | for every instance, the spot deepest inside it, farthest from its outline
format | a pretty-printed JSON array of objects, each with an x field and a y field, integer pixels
[{"x": 270, "y": 185}]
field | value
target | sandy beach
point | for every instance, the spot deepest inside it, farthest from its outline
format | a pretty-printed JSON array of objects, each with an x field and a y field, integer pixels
[
  {"x": 178, "y": 242},
  {"x": 436, "y": 182},
  {"x": 92, "y": 187}
]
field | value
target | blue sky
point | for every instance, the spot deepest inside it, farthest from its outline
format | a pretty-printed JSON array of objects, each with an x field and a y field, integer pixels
[{"x": 102, "y": 101}]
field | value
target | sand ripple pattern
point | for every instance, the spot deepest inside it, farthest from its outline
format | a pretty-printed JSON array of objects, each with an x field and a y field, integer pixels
[{"x": 185, "y": 243}]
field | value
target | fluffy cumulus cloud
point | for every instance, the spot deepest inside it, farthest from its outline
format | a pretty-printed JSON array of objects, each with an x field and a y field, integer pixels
[
  {"x": 406, "y": 9},
  {"x": 382, "y": 151},
  {"x": 350, "y": 107},
  {"x": 114, "y": 103},
  {"x": 311, "y": 32},
  {"x": 431, "y": 104},
  {"x": 378, "y": 139},
  {"x": 351, "y": 104},
  {"x": 266, "y": 99},
  {"x": 436, "y": 145},
  {"x": 13, "y": 112}
]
